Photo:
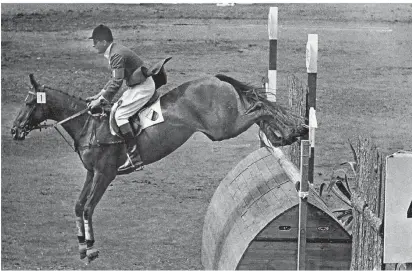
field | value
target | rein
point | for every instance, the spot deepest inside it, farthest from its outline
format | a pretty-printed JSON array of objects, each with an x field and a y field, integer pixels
[
  {"x": 56, "y": 125},
  {"x": 26, "y": 127},
  {"x": 78, "y": 114},
  {"x": 62, "y": 121}
]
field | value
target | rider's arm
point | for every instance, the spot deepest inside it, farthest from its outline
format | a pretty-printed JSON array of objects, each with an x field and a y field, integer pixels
[{"x": 117, "y": 65}]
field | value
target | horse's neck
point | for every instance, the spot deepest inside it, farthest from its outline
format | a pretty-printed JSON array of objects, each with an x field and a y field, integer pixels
[{"x": 62, "y": 106}]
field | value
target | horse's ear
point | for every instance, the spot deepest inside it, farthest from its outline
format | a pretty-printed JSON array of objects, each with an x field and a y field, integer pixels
[{"x": 33, "y": 82}]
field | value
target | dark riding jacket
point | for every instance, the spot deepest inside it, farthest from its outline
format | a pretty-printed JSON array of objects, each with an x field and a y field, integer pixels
[{"x": 123, "y": 62}]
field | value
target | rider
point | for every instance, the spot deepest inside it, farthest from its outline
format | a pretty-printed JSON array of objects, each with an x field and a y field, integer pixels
[{"x": 125, "y": 65}]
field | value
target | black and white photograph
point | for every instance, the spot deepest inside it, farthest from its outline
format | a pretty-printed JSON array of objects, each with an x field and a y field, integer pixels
[{"x": 216, "y": 135}]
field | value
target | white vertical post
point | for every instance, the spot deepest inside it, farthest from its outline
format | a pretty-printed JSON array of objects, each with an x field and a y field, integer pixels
[
  {"x": 273, "y": 47},
  {"x": 312, "y": 53},
  {"x": 303, "y": 203}
]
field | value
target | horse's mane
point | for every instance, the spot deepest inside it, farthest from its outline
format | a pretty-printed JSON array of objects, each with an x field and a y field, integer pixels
[{"x": 67, "y": 94}]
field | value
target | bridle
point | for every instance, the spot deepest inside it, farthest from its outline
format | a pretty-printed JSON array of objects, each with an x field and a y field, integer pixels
[{"x": 26, "y": 127}]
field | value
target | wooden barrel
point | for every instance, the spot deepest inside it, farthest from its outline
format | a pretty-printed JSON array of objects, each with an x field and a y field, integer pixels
[{"x": 252, "y": 220}]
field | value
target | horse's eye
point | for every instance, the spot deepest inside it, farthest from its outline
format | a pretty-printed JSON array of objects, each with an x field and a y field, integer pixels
[{"x": 29, "y": 103}]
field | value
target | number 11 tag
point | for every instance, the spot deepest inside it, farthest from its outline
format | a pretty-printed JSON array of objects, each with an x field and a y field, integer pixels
[{"x": 41, "y": 97}]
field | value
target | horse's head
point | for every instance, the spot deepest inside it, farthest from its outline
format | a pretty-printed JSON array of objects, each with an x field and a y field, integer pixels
[{"x": 32, "y": 113}]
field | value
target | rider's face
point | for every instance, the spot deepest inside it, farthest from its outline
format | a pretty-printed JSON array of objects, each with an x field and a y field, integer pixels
[{"x": 100, "y": 45}]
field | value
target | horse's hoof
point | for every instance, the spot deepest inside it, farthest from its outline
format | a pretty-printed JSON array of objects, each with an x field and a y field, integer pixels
[
  {"x": 297, "y": 186},
  {"x": 92, "y": 254},
  {"x": 82, "y": 251},
  {"x": 82, "y": 255}
]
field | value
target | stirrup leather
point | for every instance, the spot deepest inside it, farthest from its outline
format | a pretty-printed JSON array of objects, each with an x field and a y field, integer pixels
[{"x": 130, "y": 160}]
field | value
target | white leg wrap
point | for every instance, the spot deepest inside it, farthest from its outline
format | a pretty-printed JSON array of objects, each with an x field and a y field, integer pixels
[
  {"x": 80, "y": 226},
  {"x": 88, "y": 230}
]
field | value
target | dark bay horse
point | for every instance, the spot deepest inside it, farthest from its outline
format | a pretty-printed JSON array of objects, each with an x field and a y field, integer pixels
[{"x": 220, "y": 107}]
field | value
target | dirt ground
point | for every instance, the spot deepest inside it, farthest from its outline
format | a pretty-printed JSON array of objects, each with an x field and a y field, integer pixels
[{"x": 153, "y": 219}]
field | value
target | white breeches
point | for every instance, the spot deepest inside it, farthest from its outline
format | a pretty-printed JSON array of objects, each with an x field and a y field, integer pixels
[{"x": 133, "y": 99}]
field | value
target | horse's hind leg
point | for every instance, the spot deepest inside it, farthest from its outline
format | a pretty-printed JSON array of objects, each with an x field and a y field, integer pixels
[
  {"x": 101, "y": 181},
  {"x": 247, "y": 119},
  {"x": 271, "y": 128},
  {"x": 79, "y": 208},
  {"x": 234, "y": 125}
]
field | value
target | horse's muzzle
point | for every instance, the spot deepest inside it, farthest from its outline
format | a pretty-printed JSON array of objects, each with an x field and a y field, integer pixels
[{"x": 18, "y": 134}]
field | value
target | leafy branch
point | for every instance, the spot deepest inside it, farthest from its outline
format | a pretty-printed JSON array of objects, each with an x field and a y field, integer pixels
[{"x": 340, "y": 178}]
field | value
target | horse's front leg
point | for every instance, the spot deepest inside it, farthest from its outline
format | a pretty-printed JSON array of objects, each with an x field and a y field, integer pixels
[
  {"x": 79, "y": 208},
  {"x": 101, "y": 181}
]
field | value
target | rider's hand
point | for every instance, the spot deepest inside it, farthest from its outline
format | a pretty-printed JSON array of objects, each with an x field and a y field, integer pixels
[
  {"x": 95, "y": 103},
  {"x": 92, "y": 98}
]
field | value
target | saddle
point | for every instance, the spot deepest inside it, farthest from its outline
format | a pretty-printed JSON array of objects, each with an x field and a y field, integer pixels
[{"x": 106, "y": 110}]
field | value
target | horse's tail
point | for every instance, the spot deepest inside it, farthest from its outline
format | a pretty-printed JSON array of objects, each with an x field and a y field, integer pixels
[
  {"x": 252, "y": 95},
  {"x": 285, "y": 121},
  {"x": 244, "y": 91}
]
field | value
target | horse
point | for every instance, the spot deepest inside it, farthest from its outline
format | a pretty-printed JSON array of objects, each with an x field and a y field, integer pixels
[{"x": 218, "y": 106}]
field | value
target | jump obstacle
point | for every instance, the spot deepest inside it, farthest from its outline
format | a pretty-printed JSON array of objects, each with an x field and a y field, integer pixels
[
  {"x": 252, "y": 220},
  {"x": 258, "y": 220}
]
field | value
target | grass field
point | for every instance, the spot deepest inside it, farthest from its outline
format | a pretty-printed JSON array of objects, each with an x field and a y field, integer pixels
[{"x": 364, "y": 83}]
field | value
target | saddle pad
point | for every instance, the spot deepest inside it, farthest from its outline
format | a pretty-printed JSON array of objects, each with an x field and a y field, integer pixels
[
  {"x": 148, "y": 117},
  {"x": 151, "y": 115}
]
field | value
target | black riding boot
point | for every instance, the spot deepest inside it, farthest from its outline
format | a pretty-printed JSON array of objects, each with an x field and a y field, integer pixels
[{"x": 134, "y": 161}]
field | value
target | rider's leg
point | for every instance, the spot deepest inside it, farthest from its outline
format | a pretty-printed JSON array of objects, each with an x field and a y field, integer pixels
[
  {"x": 133, "y": 161},
  {"x": 132, "y": 100}
]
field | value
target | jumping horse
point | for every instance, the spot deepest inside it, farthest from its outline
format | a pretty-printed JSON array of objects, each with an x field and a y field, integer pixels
[{"x": 219, "y": 106}]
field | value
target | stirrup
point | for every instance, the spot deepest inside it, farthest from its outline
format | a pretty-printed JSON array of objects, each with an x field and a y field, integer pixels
[
  {"x": 136, "y": 168},
  {"x": 129, "y": 166}
]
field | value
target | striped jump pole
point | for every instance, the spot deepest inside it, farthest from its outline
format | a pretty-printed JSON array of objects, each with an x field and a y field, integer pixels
[
  {"x": 270, "y": 85},
  {"x": 303, "y": 203},
  {"x": 273, "y": 47},
  {"x": 312, "y": 70},
  {"x": 307, "y": 148}
]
